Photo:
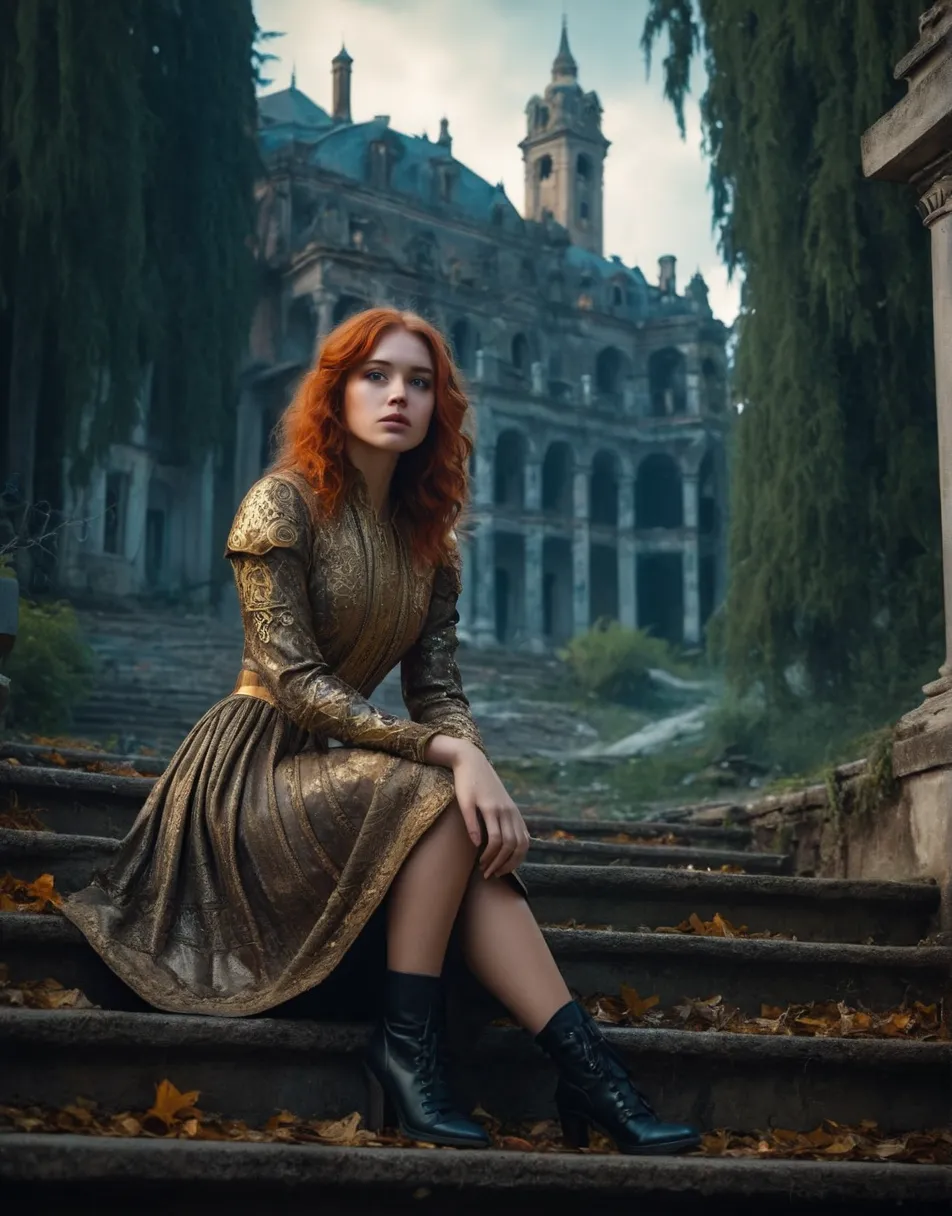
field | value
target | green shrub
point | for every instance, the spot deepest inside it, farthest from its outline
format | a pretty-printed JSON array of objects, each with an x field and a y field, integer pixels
[
  {"x": 50, "y": 668},
  {"x": 612, "y": 662}
]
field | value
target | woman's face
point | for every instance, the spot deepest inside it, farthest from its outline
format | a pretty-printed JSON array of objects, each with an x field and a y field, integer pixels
[{"x": 389, "y": 400}]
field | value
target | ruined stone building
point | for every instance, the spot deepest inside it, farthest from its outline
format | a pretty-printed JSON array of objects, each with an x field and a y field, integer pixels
[{"x": 600, "y": 400}]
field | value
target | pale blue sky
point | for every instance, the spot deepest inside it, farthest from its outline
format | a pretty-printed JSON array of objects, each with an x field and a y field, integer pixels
[{"x": 478, "y": 62}]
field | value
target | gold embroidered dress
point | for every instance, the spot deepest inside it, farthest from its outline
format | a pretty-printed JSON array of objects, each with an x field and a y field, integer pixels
[{"x": 261, "y": 853}]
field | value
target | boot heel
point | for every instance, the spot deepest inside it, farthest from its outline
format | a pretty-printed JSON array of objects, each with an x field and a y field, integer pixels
[
  {"x": 376, "y": 1102},
  {"x": 574, "y": 1129}
]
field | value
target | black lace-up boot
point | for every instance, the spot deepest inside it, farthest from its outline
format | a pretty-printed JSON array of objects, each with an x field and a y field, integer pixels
[
  {"x": 405, "y": 1070},
  {"x": 595, "y": 1090}
]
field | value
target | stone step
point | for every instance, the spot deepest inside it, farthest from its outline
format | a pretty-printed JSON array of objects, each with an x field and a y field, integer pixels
[
  {"x": 39, "y": 755},
  {"x": 80, "y": 821},
  {"x": 701, "y": 857},
  {"x": 746, "y": 973},
  {"x": 624, "y": 897},
  {"x": 596, "y": 829},
  {"x": 193, "y": 1178},
  {"x": 248, "y": 1068}
]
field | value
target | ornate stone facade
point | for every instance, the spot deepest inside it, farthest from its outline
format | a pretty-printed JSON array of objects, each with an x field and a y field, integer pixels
[{"x": 600, "y": 400}]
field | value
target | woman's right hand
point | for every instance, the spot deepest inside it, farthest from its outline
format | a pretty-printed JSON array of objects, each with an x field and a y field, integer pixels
[{"x": 481, "y": 795}]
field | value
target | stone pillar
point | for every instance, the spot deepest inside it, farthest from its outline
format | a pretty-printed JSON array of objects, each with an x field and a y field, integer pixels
[
  {"x": 935, "y": 206},
  {"x": 483, "y": 621},
  {"x": 323, "y": 302},
  {"x": 581, "y": 555},
  {"x": 627, "y": 573},
  {"x": 533, "y": 540},
  {"x": 692, "y": 596},
  {"x": 137, "y": 505},
  {"x": 464, "y": 605},
  {"x": 912, "y": 143},
  {"x": 689, "y": 501},
  {"x": 690, "y": 562}
]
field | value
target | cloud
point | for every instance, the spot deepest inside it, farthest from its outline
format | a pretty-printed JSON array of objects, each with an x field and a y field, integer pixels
[{"x": 478, "y": 65}]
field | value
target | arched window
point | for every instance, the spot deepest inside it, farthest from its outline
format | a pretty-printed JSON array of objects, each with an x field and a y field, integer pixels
[
  {"x": 707, "y": 512},
  {"x": 603, "y": 490},
  {"x": 461, "y": 339},
  {"x": 667, "y": 382},
  {"x": 520, "y": 353},
  {"x": 509, "y": 479},
  {"x": 557, "y": 493},
  {"x": 583, "y": 167},
  {"x": 300, "y": 334},
  {"x": 658, "y": 499},
  {"x": 544, "y": 168},
  {"x": 712, "y": 382},
  {"x": 583, "y": 209},
  {"x": 608, "y": 370}
]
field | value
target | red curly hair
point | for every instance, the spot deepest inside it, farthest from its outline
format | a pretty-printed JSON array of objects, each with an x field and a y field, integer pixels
[{"x": 430, "y": 481}]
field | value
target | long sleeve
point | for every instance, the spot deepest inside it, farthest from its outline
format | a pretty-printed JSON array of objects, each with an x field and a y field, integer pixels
[
  {"x": 432, "y": 687},
  {"x": 270, "y": 546}
]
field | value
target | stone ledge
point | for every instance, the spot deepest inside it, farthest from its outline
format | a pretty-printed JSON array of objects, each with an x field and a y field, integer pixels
[
  {"x": 95, "y": 1029},
  {"x": 209, "y": 1167},
  {"x": 658, "y": 855},
  {"x": 24, "y": 928},
  {"x": 770, "y": 888},
  {"x": 74, "y": 781}
]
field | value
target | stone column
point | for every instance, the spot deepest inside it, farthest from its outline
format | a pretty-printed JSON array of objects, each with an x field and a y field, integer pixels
[
  {"x": 581, "y": 555},
  {"x": 627, "y": 571},
  {"x": 464, "y": 605},
  {"x": 533, "y": 540},
  {"x": 690, "y": 562},
  {"x": 935, "y": 206},
  {"x": 912, "y": 143},
  {"x": 483, "y": 621},
  {"x": 323, "y": 302}
]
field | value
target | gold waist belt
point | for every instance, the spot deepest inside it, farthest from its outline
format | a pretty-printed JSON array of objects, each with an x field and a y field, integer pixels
[{"x": 250, "y": 684}]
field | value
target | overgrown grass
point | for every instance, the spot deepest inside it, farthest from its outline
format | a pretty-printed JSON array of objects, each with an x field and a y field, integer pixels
[
  {"x": 612, "y": 662},
  {"x": 50, "y": 667}
]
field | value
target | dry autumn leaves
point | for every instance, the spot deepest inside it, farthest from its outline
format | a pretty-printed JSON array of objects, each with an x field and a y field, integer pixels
[{"x": 176, "y": 1115}]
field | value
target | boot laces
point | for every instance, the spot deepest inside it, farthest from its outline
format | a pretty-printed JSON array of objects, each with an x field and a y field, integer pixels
[
  {"x": 604, "y": 1062},
  {"x": 431, "y": 1070}
]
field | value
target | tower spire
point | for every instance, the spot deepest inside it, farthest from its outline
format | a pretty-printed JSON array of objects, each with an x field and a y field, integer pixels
[
  {"x": 340, "y": 72},
  {"x": 564, "y": 66}
]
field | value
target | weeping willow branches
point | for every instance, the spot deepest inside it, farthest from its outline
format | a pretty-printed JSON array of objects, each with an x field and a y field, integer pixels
[
  {"x": 834, "y": 540},
  {"x": 126, "y": 186}
]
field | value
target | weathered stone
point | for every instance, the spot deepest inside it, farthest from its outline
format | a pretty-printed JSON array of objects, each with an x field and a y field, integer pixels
[
  {"x": 393, "y": 1182},
  {"x": 249, "y": 1068}
]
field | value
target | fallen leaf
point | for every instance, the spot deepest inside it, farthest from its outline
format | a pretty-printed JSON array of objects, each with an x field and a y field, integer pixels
[{"x": 635, "y": 1005}]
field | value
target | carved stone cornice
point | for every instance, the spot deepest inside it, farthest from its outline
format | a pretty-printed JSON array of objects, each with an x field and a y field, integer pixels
[{"x": 937, "y": 201}]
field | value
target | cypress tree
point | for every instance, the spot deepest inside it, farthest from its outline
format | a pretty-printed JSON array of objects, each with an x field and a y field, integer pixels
[
  {"x": 126, "y": 219},
  {"x": 835, "y": 544}
]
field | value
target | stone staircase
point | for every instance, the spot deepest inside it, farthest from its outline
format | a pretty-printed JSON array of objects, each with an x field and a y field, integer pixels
[
  {"x": 160, "y": 670},
  {"x": 602, "y": 900}
]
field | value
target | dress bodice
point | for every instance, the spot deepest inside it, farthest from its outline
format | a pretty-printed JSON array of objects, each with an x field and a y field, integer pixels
[{"x": 331, "y": 604}]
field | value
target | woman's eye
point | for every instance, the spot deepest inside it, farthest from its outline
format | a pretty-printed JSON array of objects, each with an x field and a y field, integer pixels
[
  {"x": 421, "y": 384},
  {"x": 372, "y": 374}
]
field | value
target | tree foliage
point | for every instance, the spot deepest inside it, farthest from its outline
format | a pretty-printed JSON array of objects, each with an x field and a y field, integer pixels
[
  {"x": 126, "y": 213},
  {"x": 835, "y": 549}
]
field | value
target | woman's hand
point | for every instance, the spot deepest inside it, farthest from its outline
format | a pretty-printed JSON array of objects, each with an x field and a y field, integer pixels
[{"x": 480, "y": 794}]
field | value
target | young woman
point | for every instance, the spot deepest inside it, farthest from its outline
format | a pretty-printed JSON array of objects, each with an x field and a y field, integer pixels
[{"x": 262, "y": 852}]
